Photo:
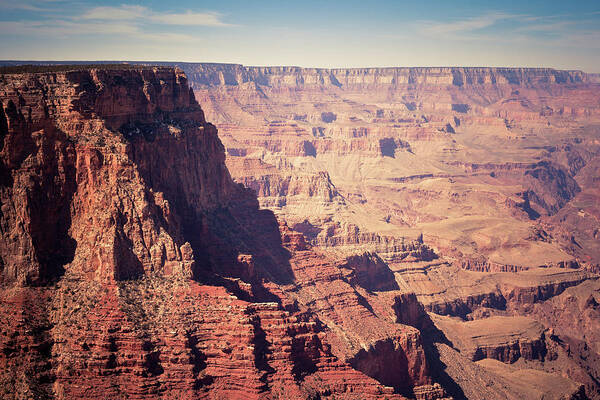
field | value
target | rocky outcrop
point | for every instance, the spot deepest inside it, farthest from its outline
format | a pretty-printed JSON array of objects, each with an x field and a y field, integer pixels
[
  {"x": 64, "y": 163},
  {"x": 520, "y": 296},
  {"x": 370, "y": 272},
  {"x": 133, "y": 266},
  {"x": 390, "y": 353},
  {"x": 510, "y": 352},
  {"x": 486, "y": 266},
  {"x": 391, "y": 249},
  {"x": 505, "y": 339},
  {"x": 463, "y": 306},
  {"x": 410, "y": 311}
]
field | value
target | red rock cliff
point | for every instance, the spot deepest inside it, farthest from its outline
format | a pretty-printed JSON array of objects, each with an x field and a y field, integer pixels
[
  {"x": 132, "y": 266},
  {"x": 75, "y": 192}
]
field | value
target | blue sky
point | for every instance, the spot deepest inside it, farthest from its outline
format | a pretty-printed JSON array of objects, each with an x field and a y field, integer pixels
[{"x": 307, "y": 33}]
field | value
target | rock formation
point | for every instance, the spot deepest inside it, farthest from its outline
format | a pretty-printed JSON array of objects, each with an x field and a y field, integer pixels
[
  {"x": 384, "y": 232},
  {"x": 132, "y": 266},
  {"x": 475, "y": 186}
]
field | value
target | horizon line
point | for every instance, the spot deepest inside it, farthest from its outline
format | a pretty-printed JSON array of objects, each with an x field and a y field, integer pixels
[{"x": 79, "y": 61}]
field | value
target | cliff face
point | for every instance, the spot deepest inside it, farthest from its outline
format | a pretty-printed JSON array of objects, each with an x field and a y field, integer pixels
[
  {"x": 77, "y": 193},
  {"x": 133, "y": 266},
  {"x": 236, "y": 74}
]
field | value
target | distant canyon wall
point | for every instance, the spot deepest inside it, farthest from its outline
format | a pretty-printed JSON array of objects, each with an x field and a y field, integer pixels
[{"x": 236, "y": 74}]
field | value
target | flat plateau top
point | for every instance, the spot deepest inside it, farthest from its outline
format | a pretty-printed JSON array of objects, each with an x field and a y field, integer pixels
[{"x": 33, "y": 69}]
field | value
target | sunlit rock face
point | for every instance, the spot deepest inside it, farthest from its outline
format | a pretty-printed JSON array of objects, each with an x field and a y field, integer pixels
[
  {"x": 479, "y": 161},
  {"x": 477, "y": 187}
]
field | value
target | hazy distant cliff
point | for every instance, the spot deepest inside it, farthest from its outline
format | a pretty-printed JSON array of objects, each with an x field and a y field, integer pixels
[
  {"x": 235, "y": 74},
  {"x": 215, "y": 74}
]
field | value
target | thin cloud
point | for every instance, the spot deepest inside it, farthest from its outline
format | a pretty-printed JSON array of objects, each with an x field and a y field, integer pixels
[
  {"x": 25, "y": 5},
  {"x": 130, "y": 22},
  {"x": 146, "y": 15},
  {"x": 62, "y": 28},
  {"x": 551, "y": 30},
  {"x": 190, "y": 18},
  {"x": 547, "y": 27},
  {"x": 465, "y": 25},
  {"x": 124, "y": 12}
]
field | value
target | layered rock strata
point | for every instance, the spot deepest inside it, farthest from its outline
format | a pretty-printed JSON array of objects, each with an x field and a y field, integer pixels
[
  {"x": 434, "y": 225},
  {"x": 132, "y": 266}
]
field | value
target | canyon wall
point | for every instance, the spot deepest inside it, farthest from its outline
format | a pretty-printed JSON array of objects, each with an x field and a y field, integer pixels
[
  {"x": 350, "y": 233},
  {"x": 474, "y": 187},
  {"x": 236, "y": 74},
  {"x": 367, "y": 155},
  {"x": 132, "y": 265}
]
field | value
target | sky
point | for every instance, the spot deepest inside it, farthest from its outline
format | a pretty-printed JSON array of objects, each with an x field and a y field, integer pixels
[{"x": 349, "y": 33}]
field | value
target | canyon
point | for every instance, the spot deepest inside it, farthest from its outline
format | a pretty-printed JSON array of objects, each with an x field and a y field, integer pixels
[
  {"x": 421, "y": 233},
  {"x": 476, "y": 187}
]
